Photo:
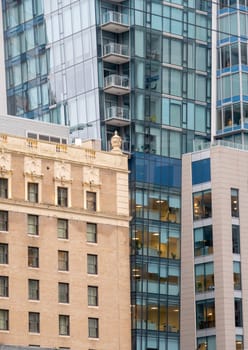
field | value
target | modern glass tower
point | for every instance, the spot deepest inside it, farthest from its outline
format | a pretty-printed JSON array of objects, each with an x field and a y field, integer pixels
[{"x": 142, "y": 67}]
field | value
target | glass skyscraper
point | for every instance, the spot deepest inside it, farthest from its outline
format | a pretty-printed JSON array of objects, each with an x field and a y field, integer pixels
[{"x": 142, "y": 67}]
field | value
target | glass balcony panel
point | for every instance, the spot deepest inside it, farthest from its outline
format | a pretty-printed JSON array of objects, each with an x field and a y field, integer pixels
[
  {"x": 115, "y": 22},
  {"x": 116, "y": 53},
  {"x": 116, "y": 84}
]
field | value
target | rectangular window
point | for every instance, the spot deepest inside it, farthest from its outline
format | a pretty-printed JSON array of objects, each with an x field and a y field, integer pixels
[
  {"x": 203, "y": 241},
  {"x": 4, "y": 286},
  {"x": 34, "y": 322},
  {"x": 62, "y": 196},
  {"x": 63, "y": 295},
  {"x": 235, "y": 239},
  {"x": 92, "y": 296},
  {"x": 92, "y": 264},
  {"x": 33, "y": 225},
  {"x": 91, "y": 233},
  {"x": 93, "y": 331},
  {"x": 63, "y": 260},
  {"x": 3, "y": 220},
  {"x": 3, "y": 253},
  {"x": 204, "y": 277},
  {"x": 238, "y": 312},
  {"x": 33, "y": 257},
  {"x": 236, "y": 275},
  {"x": 64, "y": 325},
  {"x": 33, "y": 289},
  {"x": 205, "y": 314},
  {"x": 4, "y": 320},
  {"x": 235, "y": 202},
  {"x": 202, "y": 205},
  {"x": 3, "y": 188},
  {"x": 62, "y": 228},
  {"x": 91, "y": 201},
  {"x": 33, "y": 192}
]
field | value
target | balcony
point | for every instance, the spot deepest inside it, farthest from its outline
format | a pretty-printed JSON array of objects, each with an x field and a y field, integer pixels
[
  {"x": 115, "y": 53},
  {"x": 115, "y": 22},
  {"x": 118, "y": 116},
  {"x": 116, "y": 84}
]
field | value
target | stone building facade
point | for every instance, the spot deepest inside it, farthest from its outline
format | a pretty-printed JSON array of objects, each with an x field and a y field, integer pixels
[{"x": 64, "y": 246}]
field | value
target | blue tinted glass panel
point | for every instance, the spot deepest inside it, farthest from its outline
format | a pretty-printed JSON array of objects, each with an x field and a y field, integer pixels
[{"x": 201, "y": 171}]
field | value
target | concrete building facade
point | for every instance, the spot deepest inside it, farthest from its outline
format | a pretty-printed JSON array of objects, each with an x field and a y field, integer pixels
[
  {"x": 214, "y": 285},
  {"x": 64, "y": 246}
]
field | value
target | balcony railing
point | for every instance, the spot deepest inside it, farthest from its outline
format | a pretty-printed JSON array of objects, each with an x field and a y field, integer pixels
[
  {"x": 115, "y": 49},
  {"x": 115, "y": 21},
  {"x": 116, "y": 112},
  {"x": 116, "y": 84}
]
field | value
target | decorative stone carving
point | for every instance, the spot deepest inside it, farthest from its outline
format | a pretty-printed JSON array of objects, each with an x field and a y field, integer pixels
[
  {"x": 5, "y": 163},
  {"x": 62, "y": 172},
  {"x": 116, "y": 142},
  {"x": 91, "y": 176},
  {"x": 32, "y": 167}
]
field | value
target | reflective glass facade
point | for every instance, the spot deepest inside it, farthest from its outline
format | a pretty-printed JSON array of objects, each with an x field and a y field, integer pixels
[
  {"x": 143, "y": 68},
  {"x": 232, "y": 71}
]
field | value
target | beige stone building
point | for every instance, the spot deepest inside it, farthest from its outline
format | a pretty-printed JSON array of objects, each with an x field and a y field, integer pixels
[
  {"x": 214, "y": 282},
  {"x": 64, "y": 246}
]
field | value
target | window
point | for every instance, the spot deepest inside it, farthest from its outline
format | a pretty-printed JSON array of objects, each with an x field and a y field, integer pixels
[
  {"x": 33, "y": 289},
  {"x": 235, "y": 239},
  {"x": 204, "y": 277},
  {"x": 235, "y": 203},
  {"x": 92, "y": 264},
  {"x": 3, "y": 220},
  {"x": 3, "y": 188},
  {"x": 3, "y": 253},
  {"x": 4, "y": 320},
  {"x": 203, "y": 238},
  {"x": 205, "y": 314},
  {"x": 205, "y": 343},
  {"x": 62, "y": 228},
  {"x": 33, "y": 257},
  {"x": 34, "y": 322},
  {"x": 238, "y": 312},
  {"x": 4, "y": 286},
  {"x": 202, "y": 205},
  {"x": 91, "y": 201},
  {"x": 62, "y": 196},
  {"x": 91, "y": 233},
  {"x": 33, "y": 192},
  {"x": 93, "y": 328},
  {"x": 33, "y": 224},
  {"x": 239, "y": 342},
  {"x": 236, "y": 275},
  {"x": 64, "y": 325},
  {"x": 63, "y": 260},
  {"x": 63, "y": 289},
  {"x": 92, "y": 296}
]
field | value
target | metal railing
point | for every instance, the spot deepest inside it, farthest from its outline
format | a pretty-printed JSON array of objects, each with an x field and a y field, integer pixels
[
  {"x": 116, "y": 49},
  {"x": 117, "y": 17},
  {"x": 117, "y": 112},
  {"x": 121, "y": 81}
]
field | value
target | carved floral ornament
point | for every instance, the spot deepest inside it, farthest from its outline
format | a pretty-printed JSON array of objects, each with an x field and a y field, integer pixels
[
  {"x": 32, "y": 167},
  {"x": 62, "y": 172},
  {"x": 5, "y": 164},
  {"x": 91, "y": 177}
]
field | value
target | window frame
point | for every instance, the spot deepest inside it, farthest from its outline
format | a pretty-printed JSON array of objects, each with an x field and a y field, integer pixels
[
  {"x": 91, "y": 232},
  {"x": 33, "y": 192},
  {"x": 33, "y": 257},
  {"x": 4, "y": 253},
  {"x": 4, "y": 220},
  {"x": 66, "y": 320},
  {"x": 62, "y": 196},
  {"x": 63, "y": 292},
  {"x": 34, "y": 225},
  {"x": 91, "y": 200},
  {"x": 4, "y": 286},
  {"x": 33, "y": 322},
  {"x": 4, "y": 320},
  {"x": 33, "y": 290},
  {"x": 92, "y": 266},
  {"x": 64, "y": 261},
  {"x": 93, "y": 327},
  {"x": 62, "y": 232},
  {"x": 4, "y": 187},
  {"x": 93, "y": 297}
]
